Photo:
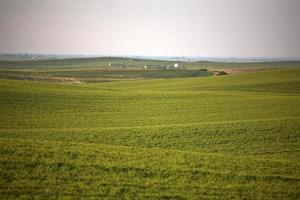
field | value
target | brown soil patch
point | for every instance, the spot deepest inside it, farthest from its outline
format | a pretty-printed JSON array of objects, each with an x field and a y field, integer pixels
[{"x": 237, "y": 70}]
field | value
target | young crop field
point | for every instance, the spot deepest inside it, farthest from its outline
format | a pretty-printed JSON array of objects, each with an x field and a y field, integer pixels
[{"x": 216, "y": 137}]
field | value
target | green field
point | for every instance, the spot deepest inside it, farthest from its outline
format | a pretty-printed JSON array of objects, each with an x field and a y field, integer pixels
[
  {"x": 97, "y": 70},
  {"x": 216, "y": 137},
  {"x": 99, "y": 62}
]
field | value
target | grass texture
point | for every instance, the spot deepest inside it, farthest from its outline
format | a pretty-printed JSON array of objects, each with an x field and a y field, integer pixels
[{"x": 221, "y": 137}]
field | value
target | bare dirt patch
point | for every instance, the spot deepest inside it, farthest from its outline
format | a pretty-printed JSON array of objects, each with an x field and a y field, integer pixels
[{"x": 237, "y": 70}]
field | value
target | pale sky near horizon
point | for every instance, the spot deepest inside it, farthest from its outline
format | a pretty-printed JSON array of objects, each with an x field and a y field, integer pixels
[{"x": 225, "y": 28}]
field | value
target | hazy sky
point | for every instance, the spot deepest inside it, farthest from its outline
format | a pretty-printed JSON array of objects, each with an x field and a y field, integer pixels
[{"x": 152, "y": 27}]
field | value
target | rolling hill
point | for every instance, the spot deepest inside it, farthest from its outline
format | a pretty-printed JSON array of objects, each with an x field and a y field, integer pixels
[{"x": 217, "y": 137}]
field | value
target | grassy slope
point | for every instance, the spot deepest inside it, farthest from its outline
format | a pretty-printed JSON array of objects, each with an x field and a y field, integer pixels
[{"x": 216, "y": 137}]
